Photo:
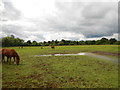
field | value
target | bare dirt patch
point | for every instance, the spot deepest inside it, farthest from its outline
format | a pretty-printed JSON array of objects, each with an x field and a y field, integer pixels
[{"x": 35, "y": 81}]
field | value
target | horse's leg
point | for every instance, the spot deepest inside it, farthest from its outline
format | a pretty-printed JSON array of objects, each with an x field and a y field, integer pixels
[
  {"x": 10, "y": 60},
  {"x": 14, "y": 60},
  {"x": 3, "y": 58},
  {"x": 7, "y": 59}
]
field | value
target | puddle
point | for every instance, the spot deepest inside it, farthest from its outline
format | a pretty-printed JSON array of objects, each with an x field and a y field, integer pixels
[
  {"x": 85, "y": 53},
  {"x": 61, "y": 54}
]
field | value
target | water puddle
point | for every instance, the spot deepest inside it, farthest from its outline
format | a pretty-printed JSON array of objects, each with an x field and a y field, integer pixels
[
  {"x": 85, "y": 53},
  {"x": 61, "y": 54}
]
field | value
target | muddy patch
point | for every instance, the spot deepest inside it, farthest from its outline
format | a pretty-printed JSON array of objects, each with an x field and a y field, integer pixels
[
  {"x": 30, "y": 81},
  {"x": 106, "y": 53},
  {"x": 103, "y": 57}
]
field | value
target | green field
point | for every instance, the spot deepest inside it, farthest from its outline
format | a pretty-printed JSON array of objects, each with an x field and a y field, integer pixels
[{"x": 61, "y": 71}]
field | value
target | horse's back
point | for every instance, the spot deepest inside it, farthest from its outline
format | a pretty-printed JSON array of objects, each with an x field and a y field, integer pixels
[
  {"x": 52, "y": 46},
  {"x": 8, "y": 52},
  {"x": 5, "y": 52}
]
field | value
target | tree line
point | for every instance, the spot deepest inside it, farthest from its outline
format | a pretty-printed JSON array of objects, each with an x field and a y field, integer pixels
[{"x": 12, "y": 41}]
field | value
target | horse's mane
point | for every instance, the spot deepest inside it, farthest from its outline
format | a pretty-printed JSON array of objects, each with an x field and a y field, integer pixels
[{"x": 16, "y": 54}]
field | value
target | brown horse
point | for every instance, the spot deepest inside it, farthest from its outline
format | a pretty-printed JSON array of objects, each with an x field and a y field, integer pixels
[
  {"x": 9, "y": 53},
  {"x": 53, "y": 47}
]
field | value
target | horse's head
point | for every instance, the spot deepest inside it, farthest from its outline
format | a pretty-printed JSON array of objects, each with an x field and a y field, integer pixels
[{"x": 17, "y": 60}]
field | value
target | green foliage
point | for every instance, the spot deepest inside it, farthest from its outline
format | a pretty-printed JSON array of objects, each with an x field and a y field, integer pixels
[
  {"x": 34, "y": 43},
  {"x": 12, "y": 41},
  {"x": 112, "y": 41},
  {"x": 29, "y": 42}
]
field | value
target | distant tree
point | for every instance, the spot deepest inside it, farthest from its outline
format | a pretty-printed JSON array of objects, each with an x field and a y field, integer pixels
[
  {"x": 117, "y": 43},
  {"x": 63, "y": 41},
  {"x": 104, "y": 41},
  {"x": 45, "y": 43},
  {"x": 60, "y": 43},
  {"x": 29, "y": 42},
  {"x": 12, "y": 36},
  {"x": 49, "y": 42},
  {"x": 77, "y": 42},
  {"x": 56, "y": 42},
  {"x": 18, "y": 42},
  {"x": 93, "y": 42},
  {"x": 86, "y": 42},
  {"x": 34, "y": 43},
  {"x": 40, "y": 44},
  {"x": 71, "y": 43},
  {"x": 53, "y": 42},
  {"x": 67, "y": 42},
  {"x": 112, "y": 41},
  {"x": 12, "y": 41},
  {"x": 81, "y": 42},
  {"x": 8, "y": 41},
  {"x": 98, "y": 42}
]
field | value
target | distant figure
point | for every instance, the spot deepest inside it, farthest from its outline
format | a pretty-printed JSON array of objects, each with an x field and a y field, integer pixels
[
  {"x": 53, "y": 47},
  {"x": 20, "y": 46},
  {"x": 41, "y": 47},
  {"x": 9, "y": 53}
]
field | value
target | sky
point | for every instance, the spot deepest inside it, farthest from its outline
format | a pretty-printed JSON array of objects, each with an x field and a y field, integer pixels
[{"x": 45, "y": 20}]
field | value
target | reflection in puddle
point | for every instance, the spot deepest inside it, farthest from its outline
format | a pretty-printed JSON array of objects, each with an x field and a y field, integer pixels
[{"x": 62, "y": 54}]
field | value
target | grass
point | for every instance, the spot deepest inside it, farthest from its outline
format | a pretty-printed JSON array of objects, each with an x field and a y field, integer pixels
[{"x": 61, "y": 71}]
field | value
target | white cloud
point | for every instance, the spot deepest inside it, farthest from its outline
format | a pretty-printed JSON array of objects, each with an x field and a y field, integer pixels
[
  {"x": 36, "y": 8},
  {"x": 55, "y": 19}
]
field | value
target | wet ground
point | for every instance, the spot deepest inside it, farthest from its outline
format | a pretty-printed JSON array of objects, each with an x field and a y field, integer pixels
[
  {"x": 62, "y": 54},
  {"x": 103, "y": 57},
  {"x": 96, "y": 55},
  {"x": 106, "y": 53}
]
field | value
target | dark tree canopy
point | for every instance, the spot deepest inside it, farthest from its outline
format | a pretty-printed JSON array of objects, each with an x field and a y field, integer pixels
[{"x": 12, "y": 41}]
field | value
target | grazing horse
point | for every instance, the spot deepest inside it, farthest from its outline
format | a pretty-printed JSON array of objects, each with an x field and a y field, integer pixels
[
  {"x": 53, "y": 47},
  {"x": 20, "y": 46},
  {"x": 9, "y": 53}
]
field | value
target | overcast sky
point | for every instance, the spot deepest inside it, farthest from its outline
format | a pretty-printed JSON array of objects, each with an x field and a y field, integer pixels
[{"x": 44, "y": 20}]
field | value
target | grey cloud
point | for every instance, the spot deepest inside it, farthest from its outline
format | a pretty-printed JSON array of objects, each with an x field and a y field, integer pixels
[
  {"x": 12, "y": 30},
  {"x": 10, "y": 12},
  {"x": 71, "y": 38},
  {"x": 97, "y": 10},
  {"x": 22, "y": 32},
  {"x": 93, "y": 20},
  {"x": 39, "y": 36}
]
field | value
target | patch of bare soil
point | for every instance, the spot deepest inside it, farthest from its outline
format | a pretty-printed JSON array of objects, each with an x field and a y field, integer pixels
[
  {"x": 106, "y": 53},
  {"x": 24, "y": 82},
  {"x": 32, "y": 76}
]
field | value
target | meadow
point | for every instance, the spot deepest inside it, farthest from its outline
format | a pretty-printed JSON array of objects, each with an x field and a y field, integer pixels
[{"x": 61, "y": 71}]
